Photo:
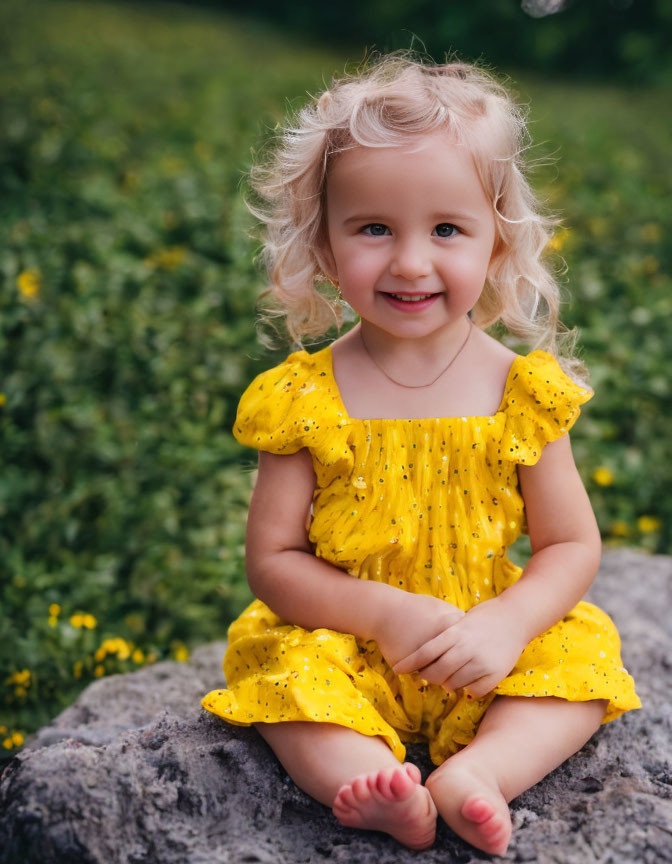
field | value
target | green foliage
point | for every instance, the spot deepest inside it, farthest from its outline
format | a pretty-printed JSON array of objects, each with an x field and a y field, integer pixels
[
  {"x": 623, "y": 40},
  {"x": 127, "y": 325}
]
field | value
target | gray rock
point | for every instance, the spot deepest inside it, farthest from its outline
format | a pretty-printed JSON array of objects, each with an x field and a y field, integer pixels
[{"x": 135, "y": 772}]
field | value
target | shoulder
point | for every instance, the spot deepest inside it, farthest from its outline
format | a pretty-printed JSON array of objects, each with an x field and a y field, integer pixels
[
  {"x": 283, "y": 403},
  {"x": 541, "y": 403}
]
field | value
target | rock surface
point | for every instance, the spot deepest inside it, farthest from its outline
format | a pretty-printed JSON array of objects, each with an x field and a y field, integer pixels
[{"x": 135, "y": 772}]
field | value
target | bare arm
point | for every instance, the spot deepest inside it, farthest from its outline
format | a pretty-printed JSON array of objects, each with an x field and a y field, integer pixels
[
  {"x": 307, "y": 591},
  {"x": 282, "y": 570},
  {"x": 479, "y": 651},
  {"x": 565, "y": 541}
]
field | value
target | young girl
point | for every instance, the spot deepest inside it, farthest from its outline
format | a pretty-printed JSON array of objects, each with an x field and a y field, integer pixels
[{"x": 398, "y": 464}]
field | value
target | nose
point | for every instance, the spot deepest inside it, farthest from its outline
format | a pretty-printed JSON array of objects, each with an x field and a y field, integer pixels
[{"x": 410, "y": 260}]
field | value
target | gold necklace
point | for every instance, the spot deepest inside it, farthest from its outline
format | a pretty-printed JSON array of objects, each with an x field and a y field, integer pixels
[{"x": 443, "y": 371}]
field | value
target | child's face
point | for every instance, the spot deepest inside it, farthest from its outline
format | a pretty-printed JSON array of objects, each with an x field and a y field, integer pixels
[{"x": 411, "y": 220}]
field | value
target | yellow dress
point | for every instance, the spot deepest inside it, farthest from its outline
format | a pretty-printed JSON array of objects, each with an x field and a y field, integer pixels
[{"x": 429, "y": 506}]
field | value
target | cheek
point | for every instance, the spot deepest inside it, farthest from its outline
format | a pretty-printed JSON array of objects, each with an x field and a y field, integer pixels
[{"x": 358, "y": 265}]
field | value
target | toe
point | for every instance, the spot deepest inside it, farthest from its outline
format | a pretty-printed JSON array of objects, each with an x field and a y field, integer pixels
[
  {"x": 401, "y": 784},
  {"x": 360, "y": 789},
  {"x": 381, "y": 784},
  {"x": 478, "y": 810},
  {"x": 345, "y": 798},
  {"x": 413, "y": 772}
]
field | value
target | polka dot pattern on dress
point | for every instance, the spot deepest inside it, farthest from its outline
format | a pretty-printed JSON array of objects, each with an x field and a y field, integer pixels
[{"x": 429, "y": 506}]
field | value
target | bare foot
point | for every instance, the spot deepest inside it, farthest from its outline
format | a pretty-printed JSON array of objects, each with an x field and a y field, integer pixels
[
  {"x": 472, "y": 804},
  {"x": 391, "y": 800}
]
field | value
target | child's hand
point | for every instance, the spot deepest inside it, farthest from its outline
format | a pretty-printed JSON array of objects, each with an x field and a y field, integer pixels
[
  {"x": 410, "y": 622},
  {"x": 477, "y": 651}
]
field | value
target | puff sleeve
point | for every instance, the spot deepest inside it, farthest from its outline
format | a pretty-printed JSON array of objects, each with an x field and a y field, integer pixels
[
  {"x": 542, "y": 403},
  {"x": 269, "y": 415}
]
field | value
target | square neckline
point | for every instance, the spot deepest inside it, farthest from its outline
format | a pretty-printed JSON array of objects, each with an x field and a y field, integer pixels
[{"x": 484, "y": 417}]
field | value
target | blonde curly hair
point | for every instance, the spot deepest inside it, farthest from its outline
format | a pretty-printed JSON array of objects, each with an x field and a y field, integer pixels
[{"x": 387, "y": 104}]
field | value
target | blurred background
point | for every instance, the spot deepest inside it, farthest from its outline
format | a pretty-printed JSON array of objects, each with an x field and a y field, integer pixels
[{"x": 128, "y": 288}]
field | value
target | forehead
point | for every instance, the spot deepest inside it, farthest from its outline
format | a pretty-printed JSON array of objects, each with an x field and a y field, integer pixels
[{"x": 428, "y": 168}]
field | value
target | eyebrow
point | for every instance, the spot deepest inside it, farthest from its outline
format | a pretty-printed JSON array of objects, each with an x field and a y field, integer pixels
[{"x": 436, "y": 217}]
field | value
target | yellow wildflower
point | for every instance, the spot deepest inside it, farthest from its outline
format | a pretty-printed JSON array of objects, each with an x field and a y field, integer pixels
[
  {"x": 28, "y": 283},
  {"x": 22, "y": 677},
  {"x": 20, "y": 692},
  {"x": 168, "y": 259},
  {"x": 603, "y": 476},
  {"x": 558, "y": 241},
  {"x": 3, "y": 730},
  {"x": 620, "y": 528},
  {"x": 77, "y": 621},
  {"x": 17, "y": 739},
  {"x": 89, "y": 621},
  {"x": 137, "y": 656},
  {"x": 99, "y": 671},
  {"x": 181, "y": 653},
  {"x": 7, "y": 743},
  {"x": 77, "y": 669},
  {"x": 54, "y": 609},
  {"x": 648, "y": 524},
  {"x": 53, "y": 621}
]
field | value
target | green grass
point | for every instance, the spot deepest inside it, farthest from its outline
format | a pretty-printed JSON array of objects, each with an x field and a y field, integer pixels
[{"x": 127, "y": 323}]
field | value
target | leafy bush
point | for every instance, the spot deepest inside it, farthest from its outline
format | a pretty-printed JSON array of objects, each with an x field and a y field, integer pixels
[{"x": 127, "y": 325}]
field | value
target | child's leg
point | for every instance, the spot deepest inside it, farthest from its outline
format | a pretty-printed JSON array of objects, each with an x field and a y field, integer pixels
[
  {"x": 519, "y": 741},
  {"x": 358, "y": 776}
]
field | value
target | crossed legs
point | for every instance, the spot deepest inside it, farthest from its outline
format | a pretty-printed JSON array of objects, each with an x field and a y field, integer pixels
[{"x": 519, "y": 741}]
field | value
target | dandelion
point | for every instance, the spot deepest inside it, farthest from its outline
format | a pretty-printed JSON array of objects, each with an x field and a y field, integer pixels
[
  {"x": 99, "y": 671},
  {"x": 116, "y": 646},
  {"x": 28, "y": 283},
  {"x": 83, "y": 620},
  {"x": 137, "y": 656},
  {"x": 167, "y": 259},
  {"x": 54, "y": 609},
  {"x": 181, "y": 653},
  {"x": 648, "y": 524},
  {"x": 7, "y": 743},
  {"x": 17, "y": 739},
  {"x": 20, "y": 678},
  {"x": 620, "y": 528},
  {"x": 603, "y": 476}
]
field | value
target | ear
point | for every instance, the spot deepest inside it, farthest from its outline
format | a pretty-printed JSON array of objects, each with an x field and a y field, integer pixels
[{"x": 325, "y": 258}]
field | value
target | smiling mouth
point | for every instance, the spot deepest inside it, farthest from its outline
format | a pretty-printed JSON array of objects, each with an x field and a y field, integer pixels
[{"x": 410, "y": 298}]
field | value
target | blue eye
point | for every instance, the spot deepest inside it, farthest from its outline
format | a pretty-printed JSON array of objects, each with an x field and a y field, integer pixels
[
  {"x": 445, "y": 229},
  {"x": 375, "y": 229}
]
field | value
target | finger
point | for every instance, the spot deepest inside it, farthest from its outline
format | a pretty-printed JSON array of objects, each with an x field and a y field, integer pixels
[
  {"x": 445, "y": 667},
  {"x": 464, "y": 677},
  {"x": 482, "y": 686},
  {"x": 425, "y": 654}
]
